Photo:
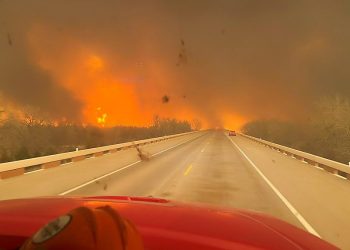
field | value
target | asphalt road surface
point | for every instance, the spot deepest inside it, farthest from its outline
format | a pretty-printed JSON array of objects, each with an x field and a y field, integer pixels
[{"x": 207, "y": 167}]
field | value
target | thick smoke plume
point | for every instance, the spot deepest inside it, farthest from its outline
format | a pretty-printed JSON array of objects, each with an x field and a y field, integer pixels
[{"x": 224, "y": 62}]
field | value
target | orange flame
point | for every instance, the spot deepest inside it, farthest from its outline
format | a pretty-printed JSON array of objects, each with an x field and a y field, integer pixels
[
  {"x": 102, "y": 119},
  {"x": 130, "y": 95}
]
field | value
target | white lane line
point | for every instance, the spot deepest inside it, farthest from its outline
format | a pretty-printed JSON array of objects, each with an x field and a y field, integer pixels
[
  {"x": 99, "y": 178},
  {"x": 167, "y": 149},
  {"x": 118, "y": 170},
  {"x": 295, "y": 212},
  {"x": 205, "y": 146}
]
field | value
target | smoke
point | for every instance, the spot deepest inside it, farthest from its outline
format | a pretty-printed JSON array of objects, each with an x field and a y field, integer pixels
[
  {"x": 22, "y": 82},
  {"x": 233, "y": 61}
]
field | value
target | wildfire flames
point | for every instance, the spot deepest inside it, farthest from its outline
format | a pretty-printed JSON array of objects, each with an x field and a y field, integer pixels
[
  {"x": 102, "y": 119},
  {"x": 130, "y": 95},
  {"x": 172, "y": 59}
]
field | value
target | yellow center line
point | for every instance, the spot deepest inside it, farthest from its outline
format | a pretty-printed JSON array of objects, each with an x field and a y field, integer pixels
[{"x": 188, "y": 170}]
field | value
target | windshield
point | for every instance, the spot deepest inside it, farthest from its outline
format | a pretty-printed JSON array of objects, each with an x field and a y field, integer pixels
[{"x": 236, "y": 104}]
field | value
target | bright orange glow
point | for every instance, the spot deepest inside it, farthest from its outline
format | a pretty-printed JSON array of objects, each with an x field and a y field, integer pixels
[
  {"x": 233, "y": 122},
  {"x": 109, "y": 93},
  {"x": 118, "y": 101},
  {"x": 107, "y": 100},
  {"x": 102, "y": 119}
]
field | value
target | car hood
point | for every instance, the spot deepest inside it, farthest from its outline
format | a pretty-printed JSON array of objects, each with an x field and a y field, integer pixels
[{"x": 163, "y": 224}]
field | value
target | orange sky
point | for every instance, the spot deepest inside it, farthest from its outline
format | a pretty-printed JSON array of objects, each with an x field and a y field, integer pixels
[
  {"x": 224, "y": 63},
  {"x": 109, "y": 99}
]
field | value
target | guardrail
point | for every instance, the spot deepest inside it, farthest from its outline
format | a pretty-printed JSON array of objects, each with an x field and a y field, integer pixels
[
  {"x": 333, "y": 167},
  {"x": 15, "y": 168}
]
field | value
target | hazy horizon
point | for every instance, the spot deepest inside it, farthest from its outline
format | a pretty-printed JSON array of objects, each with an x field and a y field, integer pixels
[{"x": 223, "y": 62}]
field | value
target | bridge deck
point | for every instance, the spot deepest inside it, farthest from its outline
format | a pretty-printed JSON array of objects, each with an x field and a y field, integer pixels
[{"x": 206, "y": 167}]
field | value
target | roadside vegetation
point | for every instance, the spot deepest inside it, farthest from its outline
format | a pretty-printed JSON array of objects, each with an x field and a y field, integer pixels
[
  {"x": 326, "y": 132},
  {"x": 30, "y": 137}
]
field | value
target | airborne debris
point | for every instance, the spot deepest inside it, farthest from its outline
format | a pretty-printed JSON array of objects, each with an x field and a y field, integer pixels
[
  {"x": 165, "y": 99},
  {"x": 182, "y": 56},
  {"x": 105, "y": 185},
  {"x": 144, "y": 156},
  {"x": 9, "y": 39}
]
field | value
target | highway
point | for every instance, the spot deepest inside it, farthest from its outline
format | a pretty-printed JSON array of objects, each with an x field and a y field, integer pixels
[{"x": 207, "y": 167}]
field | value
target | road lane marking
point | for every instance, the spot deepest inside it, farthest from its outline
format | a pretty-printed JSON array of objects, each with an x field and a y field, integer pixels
[
  {"x": 121, "y": 169},
  {"x": 99, "y": 178},
  {"x": 188, "y": 170},
  {"x": 295, "y": 212},
  {"x": 164, "y": 150},
  {"x": 205, "y": 146}
]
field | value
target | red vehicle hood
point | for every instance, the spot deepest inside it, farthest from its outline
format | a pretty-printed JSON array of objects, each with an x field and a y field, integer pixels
[{"x": 163, "y": 224}]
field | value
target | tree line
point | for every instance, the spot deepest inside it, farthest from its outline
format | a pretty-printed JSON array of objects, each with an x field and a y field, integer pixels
[
  {"x": 326, "y": 132},
  {"x": 30, "y": 137}
]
